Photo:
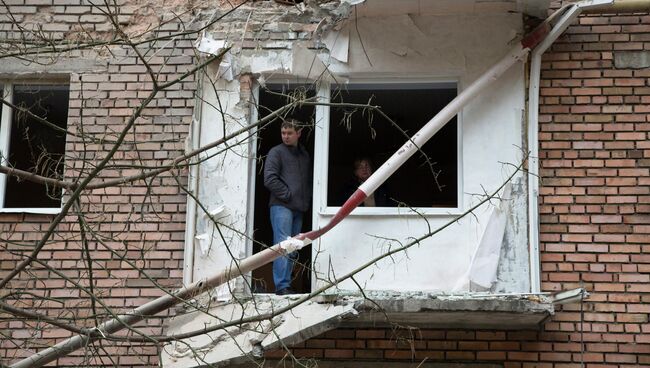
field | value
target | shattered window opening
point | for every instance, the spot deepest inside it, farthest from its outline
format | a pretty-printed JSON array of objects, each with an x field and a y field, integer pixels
[
  {"x": 273, "y": 97},
  {"x": 32, "y": 146},
  {"x": 363, "y": 135}
]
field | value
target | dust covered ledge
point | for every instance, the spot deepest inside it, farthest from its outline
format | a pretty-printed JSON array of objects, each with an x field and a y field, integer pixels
[{"x": 249, "y": 340}]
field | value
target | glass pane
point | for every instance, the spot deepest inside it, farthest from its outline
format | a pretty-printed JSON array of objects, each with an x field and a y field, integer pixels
[
  {"x": 36, "y": 147},
  {"x": 360, "y": 137}
]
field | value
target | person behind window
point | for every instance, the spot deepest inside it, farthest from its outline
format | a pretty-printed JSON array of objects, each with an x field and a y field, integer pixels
[
  {"x": 287, "y": 176},
  {"x": 362, "y": 169}
]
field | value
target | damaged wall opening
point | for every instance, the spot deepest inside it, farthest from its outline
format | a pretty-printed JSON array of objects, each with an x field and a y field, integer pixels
[
  {"x": 358, "y": 133},
  {"x": 354, "y": 133},
  {"x": 272, "y": 97},
  {"x": 30, "y": 145}
]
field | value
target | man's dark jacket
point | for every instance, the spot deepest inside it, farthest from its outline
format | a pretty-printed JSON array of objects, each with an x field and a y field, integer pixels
[{"x": 287, "y": 175}]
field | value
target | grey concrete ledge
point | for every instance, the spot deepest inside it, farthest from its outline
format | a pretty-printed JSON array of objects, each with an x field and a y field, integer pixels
[
  {"x": 464, "y": 311},
  {"x": 243, "y": 341}
]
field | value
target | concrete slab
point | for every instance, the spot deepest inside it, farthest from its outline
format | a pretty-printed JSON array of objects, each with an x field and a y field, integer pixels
[
  {"x": 42, "y": 66},
  {"x": 470, "y": 311},
  {"x": 375, "y": 364},
  {"x": 246, "y": 341}
]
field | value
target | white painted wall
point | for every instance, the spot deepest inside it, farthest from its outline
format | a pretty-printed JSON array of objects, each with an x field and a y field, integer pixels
[
  {"x": 223, "y": 183},
  {"x": 459, "y": 47}
]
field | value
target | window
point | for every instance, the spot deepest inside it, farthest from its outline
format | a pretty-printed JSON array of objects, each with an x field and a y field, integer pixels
[
  {"x": 343, "y": 134},
  {"x": 28, "y": 144},
  {"x": 428, "y": 179},
  {"x": 272, "y": 97}
]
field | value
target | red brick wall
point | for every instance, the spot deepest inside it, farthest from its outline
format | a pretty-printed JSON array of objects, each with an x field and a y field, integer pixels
[
  {"x": 144, "y": 226},
  {"x": 595, "y": 195}
]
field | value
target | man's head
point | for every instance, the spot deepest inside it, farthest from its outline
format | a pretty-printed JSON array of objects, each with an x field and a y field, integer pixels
[
  {"x": 362, "y": 169},
  {"x": 290, "y": 131}
]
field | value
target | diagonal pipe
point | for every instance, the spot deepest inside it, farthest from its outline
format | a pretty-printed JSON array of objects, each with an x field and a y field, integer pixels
[{"x": 519, "y": 52}]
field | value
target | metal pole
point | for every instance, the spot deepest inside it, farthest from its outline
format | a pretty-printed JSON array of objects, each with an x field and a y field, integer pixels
[{"x": 152, "y": 308}]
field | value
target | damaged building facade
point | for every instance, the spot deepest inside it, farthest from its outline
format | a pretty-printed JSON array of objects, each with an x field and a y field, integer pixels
[{"x": 532, "y": 198}]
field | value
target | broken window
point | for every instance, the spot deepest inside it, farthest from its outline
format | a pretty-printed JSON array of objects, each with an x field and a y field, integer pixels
[
  {"x": 356, "y": 133},
  {"x": 359, "y": 135},
  {"x": 32, "y": 138}
]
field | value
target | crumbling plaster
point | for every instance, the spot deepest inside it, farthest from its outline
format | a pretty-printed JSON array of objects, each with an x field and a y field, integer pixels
[
  {"x": 417, "y": 47},
  {"x": 223, "y": 188}
]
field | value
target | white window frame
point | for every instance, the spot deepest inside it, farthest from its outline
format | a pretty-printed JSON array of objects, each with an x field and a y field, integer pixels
[
  {"x": 5, "y": 137},
  {"x": 252, "y": 147},
  {"x": 321, "y": 155}
]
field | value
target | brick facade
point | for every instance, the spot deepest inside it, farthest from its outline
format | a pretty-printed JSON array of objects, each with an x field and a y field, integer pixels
[
  {"x": 594, "y": 206},
  {"x": 143, "y": 222}
]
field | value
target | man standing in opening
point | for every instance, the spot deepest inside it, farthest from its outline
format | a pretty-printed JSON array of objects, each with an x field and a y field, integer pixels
[{"x": 287, "y": 175}]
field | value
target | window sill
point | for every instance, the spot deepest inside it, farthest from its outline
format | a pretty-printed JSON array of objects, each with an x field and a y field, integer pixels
[
  {"x": 395, "y": 211},
  {"x": 458, "y": 311},
  {"x": 36, "y": 211}
]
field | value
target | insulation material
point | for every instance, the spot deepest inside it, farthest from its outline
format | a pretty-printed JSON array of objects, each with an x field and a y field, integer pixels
[
  {"x": 483, "y": 269},
  {"x": 220, "y": 244},
  {"x": 212, "y": 238},
  {"x": 209, "y": 45},
  {"x": 338, "y": 43},
  {"x": 306, "y": 64},
  {"x": 298, "y": 63},
  {"x": 398, "y": 43},
  {"x": 482, "y": 272},
  {"x": 204, "y": 244},
  {"x": 226, "y": 68},
  {"x": 205, "y": 240}
]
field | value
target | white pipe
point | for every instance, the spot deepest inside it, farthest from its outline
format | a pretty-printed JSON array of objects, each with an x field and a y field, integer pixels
[
  {"x": 519, "y": 52},
  {"x": 533, "y": 127},
  {"x": 193, "y": 187},
  {"x": 6, "y": 115}
]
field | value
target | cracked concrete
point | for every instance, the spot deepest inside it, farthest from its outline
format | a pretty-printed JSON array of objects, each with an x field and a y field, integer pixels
[{"x": 249, "y": 339}]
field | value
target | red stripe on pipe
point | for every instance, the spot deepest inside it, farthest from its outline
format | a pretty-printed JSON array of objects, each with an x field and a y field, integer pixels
[
  {"x": 353, "y": 202},
  {"x": 536, "y": 36}
]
